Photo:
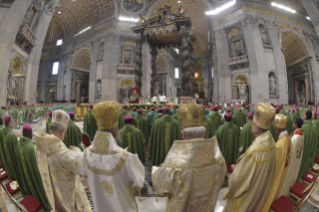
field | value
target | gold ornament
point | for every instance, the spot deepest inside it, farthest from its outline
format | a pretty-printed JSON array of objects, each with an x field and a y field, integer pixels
[
  {"x": 61, "y": 118},
  {"x": 107, "y": 187},
  {"x": 280, "y": 121},
  {"x": 190, "y": 116},
  {"x": 264, "y": 115},
  {"x": 106, "y": 115}
]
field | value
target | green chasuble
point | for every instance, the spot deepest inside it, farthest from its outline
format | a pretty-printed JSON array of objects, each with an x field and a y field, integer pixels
[
  {"x": 164, "y": 132},
  {"x": 292, "y": 118},
  {"x": 297, "y": 114},
  {"x": 133, "y": 139},
  {"x": 7, "y": 130},
  {"x": 315, "y": 125},
  {"x": 217, "y": 121},
  {"x": 122, "y": 118},
  {"x": 175, "y": 117},
  {"x": 289, "y": 125},
  {"x": 209, "y": 128},
  {"x": 306, "y": 162},
  {"x": 282, "y": 111},
  {"x": 2, "y": 149},
  {"x": 141, "y": 123},
  {"x": 47, "y": 125},
  {"x": 73, "y": 136},
  {"x": 272, "y": 130},
  {"x": 239, "y": 118},
  {"x": 30, "y": 173},
  {"x": 150, "y": 116},
  {"x": 227, "y": 136},
  {"x": 246, "y": 137},
  {"x": 10, "y": 145},
  {"x": 246, "y": 112},
  {"x": 158, "y": 116},
  {"x": 90, "y": 125}
]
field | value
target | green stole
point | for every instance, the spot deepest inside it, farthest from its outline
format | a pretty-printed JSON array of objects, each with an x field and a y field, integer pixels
[
  {"x": 164, "y": 132},
  {"x": 73, "y": 136},
  {"x": 209, "y": 128},
  {"x": 12, "y": 168},
  {"x": 141, "y": 123},
  {"x": 307, "y": 162},
  {"x": 227, "y": 136},
  {"x": 246, "y": 137},
  {"x": 133, "y": 139},
  {"x": 30, "y": 173},
  {"x": 47, "y": 125},
  {"x": 121, "y": 118},
  {"x": 216, "y": 120},
  {"x": 90, "y": 125}
]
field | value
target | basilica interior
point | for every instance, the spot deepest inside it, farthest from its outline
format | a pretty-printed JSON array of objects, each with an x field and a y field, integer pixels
[{"x": 90, "y": 51}]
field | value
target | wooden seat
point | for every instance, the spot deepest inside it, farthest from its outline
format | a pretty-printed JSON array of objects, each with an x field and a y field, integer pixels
[
  {"x": 31, "y": 204},
  {"x": 282, "y": 204},
  {"x": 86, "y": 140}
]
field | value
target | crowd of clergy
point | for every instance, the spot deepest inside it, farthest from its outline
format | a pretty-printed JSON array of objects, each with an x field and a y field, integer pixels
[{"x": 258, "y": 153}]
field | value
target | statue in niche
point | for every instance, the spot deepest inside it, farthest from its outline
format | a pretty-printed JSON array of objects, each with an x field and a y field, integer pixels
[
  {"x": 101, "y": 51},
  {"x": 99, "y": 87},
  {"x": 127, "y": 56},
  {"x": 242, "y": 91},
  {"x": 264, "y": 35},
  {"x": 238, "y": 49},
  {"x": 272, "y": 84},
  {"x": 11, "y": 80}
]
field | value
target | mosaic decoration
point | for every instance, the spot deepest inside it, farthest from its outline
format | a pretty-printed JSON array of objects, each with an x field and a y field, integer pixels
[{"x": 133, "y": 6}]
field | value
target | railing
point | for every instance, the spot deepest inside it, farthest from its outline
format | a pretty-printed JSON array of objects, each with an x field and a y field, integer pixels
[{"x": 238, "y": 62}]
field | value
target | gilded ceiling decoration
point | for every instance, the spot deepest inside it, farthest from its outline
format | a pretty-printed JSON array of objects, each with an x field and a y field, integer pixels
[
  {"x": 82, "y": 60},
  {"x": 295, "y": 48},
  {"x": 78, "y": 15},
  {"x": 195, "y": 9}
]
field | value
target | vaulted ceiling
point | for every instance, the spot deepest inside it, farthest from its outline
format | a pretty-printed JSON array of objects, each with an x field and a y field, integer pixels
[{"x": 76, "y": 15}]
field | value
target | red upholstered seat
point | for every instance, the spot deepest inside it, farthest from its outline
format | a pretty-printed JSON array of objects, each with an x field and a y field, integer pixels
[
  {"x": 282, "y": 204},
  {"x": 298, "y": 188},
  {"x": 316, "y": 171},
  {"x": 309, "y": 177},
  {"x": 11, "y": 191},
  {"x": 3, "y": 175},
  {"x": 86, "y": 139},
  {"x": 317, "y": 159},
  {"x": 1, "y": 166},
  {"x": 229, "y": 169},
  {"x": 31, "y": 204}
]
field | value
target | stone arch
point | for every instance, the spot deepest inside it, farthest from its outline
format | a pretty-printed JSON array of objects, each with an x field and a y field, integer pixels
[
  {"x": 294, "y": 45},
  {"x": 240, "y": 79},
  {"x": 236, "y": 41},
  {"x": 19, "y": 65},
  {"x": 82, "y": 59}
]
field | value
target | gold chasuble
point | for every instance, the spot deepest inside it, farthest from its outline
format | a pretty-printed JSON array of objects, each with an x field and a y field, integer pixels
[
  {"x": 283, "y": 147},
  {"x": 191, "y": 175},
  {"x": 60, "y": 168},
  {"x": 250, "y": 180}
]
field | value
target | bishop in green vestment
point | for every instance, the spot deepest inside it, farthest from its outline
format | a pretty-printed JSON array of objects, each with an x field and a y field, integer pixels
[
  {"x": 239, "y": 118},
  {"x": 209, "y": 128},
  {"x": 90, "y": 125},
  {"x": 122, "y": 115},
  {"x": 10, "y": 146},
  {"x": 164, "y": 132},
  {"x": 246, "y": 110},
  {"x": 133, "y": 113},
  {"x": 141, "y": 123},
  {"x": 315, "y": 124},
  {"x": 73, "y": 135},
  {"x": 227, "y": 136},
  {"x": 309, "y": 143},
  {"x": 28, "y": 167},
  {"x": 246, "y": 136},
  {"x": 47, "y": 125},
  {"x": 132, "y": 138},
  {"x": 150, "y": 116},
  {"x": 216, "y": 119},
  {"x": 159, "y": 115},
  {"x": 281, "y": 109},
  {"x": 2, "y": 150}
]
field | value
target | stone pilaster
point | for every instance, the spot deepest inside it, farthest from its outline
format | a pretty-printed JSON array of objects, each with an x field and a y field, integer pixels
[
  {"x": 68, "y": 77},
  {"x": 93, "y": 70}
]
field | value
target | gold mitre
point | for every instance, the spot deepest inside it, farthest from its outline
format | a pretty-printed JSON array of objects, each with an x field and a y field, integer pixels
[
  {"x": 61, "y": 118},
  {"x": 106, "y": 115},
  {"x": 280, "y": 121},
  {"x": 264, "y": 115},
  {"x": 190, "y": 116}
]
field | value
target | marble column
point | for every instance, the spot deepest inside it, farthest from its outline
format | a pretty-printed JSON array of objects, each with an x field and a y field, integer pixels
[
  {"x": 79, "y": 93},
  {"x": 8, "y": 31},
  {"x": 222, "y": 83},
  {"x": 138, "y": 66},
  {"x": 258, "y": 65},
  {"x": 61, "y": 78},
  {"x": 43, "y": 68},
  {"x": 280, "y": 64},
  {"x": 186, "y": 78},
  {"x": 93, "y": 70},
  {"x": 35, "y": 55},
  {"x": 68, "y": 77},
  {"x": 154, "y": 54},
  {"x": 146, "y": 70},
  {"x": 112, "y": 55}
]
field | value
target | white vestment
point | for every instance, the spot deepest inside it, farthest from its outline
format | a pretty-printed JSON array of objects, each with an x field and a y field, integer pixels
[
  {"x": 112, "y": 173},
  {"x": 163, "y": 98},
  {"x": 297, "y": 145}
]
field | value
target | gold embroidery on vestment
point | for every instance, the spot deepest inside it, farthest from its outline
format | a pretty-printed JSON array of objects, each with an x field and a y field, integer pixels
[{"x": 107, "y": 187}]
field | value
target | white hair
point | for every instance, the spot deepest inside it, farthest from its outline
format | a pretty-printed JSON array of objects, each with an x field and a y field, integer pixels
[
  {"x": 56, "y": 128},
  {"x": 117, "y": 138},
  {"x": 194, "y": 132}
]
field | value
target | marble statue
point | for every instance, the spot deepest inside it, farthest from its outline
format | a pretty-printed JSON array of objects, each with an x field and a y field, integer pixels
[
  {"x": 11, "y": 81},
  {"x": 99, "y": 87},
  {"x": 272, "y": 84},
  {"x": 242, "y": 90},
  {"x": 264, "y": 35}
]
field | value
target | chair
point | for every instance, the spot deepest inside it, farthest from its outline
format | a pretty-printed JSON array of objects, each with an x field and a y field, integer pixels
[
  {"x": 309, "y": 177},
  {"x": 86, "y": 140},
  {"x": 282, "y": 204},
  {"x": 297, "y": 191},
  {"x": 11, "y": 190},
  {"x": 3, "y": 175},
  {"x": 31, "y": 204},
  {"x": 317, "y": 159}
]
